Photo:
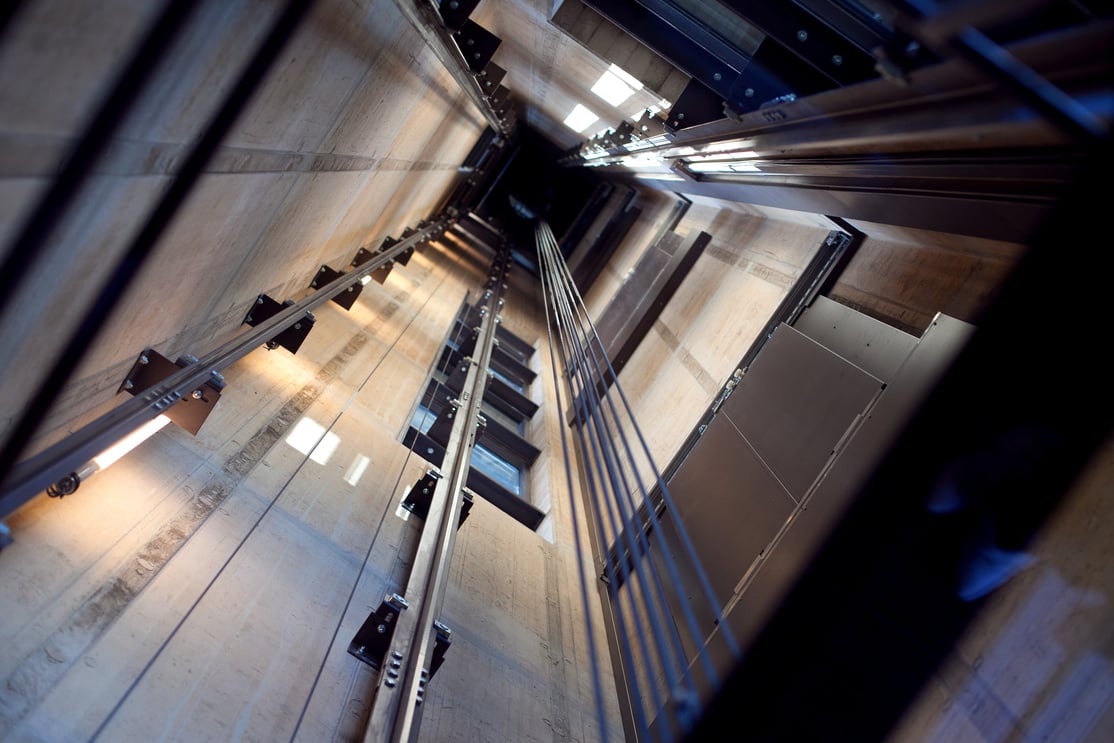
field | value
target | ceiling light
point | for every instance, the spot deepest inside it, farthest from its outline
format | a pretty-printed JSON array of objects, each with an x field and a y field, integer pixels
[{"x": 580, "y": 119}]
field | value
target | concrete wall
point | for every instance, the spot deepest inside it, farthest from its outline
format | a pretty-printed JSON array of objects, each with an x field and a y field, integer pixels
[
  {"x": 207, "y": 587},
  {"x": 356, "y": 134},
  {"x": 718, "y": 311},
  {"x": 1036, "y": 664}
]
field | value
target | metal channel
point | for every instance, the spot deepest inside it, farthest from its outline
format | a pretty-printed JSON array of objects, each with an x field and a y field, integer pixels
[
  {"x": 941, "y": 106},
  {"x": 423, "y": 15},
  {"x": 33, "y": 475},
  {"x": 395, "y": 712}
]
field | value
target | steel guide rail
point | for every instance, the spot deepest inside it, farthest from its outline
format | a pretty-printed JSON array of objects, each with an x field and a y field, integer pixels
[
  {"x": 427, "y": 20},
  {"x": 395, "y": 713},
  {"x": 30, "y": 477}
]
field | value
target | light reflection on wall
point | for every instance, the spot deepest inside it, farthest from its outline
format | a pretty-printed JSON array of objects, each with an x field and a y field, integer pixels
[{"x": 310, "y": 437}]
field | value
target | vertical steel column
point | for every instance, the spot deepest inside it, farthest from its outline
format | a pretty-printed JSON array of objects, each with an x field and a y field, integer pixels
[{"x": 394, "y": 711}]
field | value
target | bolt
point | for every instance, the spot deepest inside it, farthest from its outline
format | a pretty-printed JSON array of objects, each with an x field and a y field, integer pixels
[
  {"x": 717, "y": 77},
  {"x": 128, "y": 384},
  {"x": 143, "y": 359},
  {"x": 681, "y": 117},
  {"x": 470, "y": 42},
  {"x": 454, "y": 5},
  {"x": 390, "y": 683},
  {"x": 381, "y": 628},
  {"x": 392, "y": 673},
  {"x": 429, "y": 450},
  {"x": 476, "y": 55},
  {"x": 802, "y": 35},
  {"x": 196, "y": 394},
  {"x": 837, "y": 60},
  {"x": 749, "y": 92},
  {"x": 645, "y": 128},
  {"x": 259, "y": 301},
  {"x": 297, "y": 326},
  {"x": 395, "y": 664},
  {"x": 397, "y": 655},
  {"x": 322, "y": 269}
]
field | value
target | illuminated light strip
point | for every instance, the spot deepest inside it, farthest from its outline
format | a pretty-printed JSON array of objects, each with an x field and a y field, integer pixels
[{"x": 118, "y": 450}]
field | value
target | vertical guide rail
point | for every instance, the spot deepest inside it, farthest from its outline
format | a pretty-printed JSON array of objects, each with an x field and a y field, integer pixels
[
  {"x": 425, "y": 18},
  {"x": 394, "y": 711}
]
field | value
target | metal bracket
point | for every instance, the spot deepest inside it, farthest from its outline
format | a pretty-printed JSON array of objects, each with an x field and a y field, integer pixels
[
  {"x": 191, "y": 411},
  {"x": 454, "y": 13},
  {"x": 696, "y": 105},
  {"x": 443, "y": 637},
  {"x": 440, "y": 429},
  {"x": 476, "y": 44},
  {"x": 404, "y": 257},
  {"x": 345, "y": 299},
  {"x": 291, "y": 339},
  {"x": 420, "y": 497},
  {"x": 363, "y": 255},
  {"x": 374, "y": 636}
]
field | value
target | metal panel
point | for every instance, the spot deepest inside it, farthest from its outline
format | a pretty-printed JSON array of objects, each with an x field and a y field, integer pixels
[
  {"x": 869, "y": 344},
  {"x": 730, "y": 504},
  {"x": 795, "y": 403}
]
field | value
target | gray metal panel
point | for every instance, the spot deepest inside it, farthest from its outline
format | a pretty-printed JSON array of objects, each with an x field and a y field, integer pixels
[
  {"x": 869, "y": 344},
  {"x": 854, "y": 464},
  {"x": 730, "y": 504},
  {"x": 795, "y": 403}
]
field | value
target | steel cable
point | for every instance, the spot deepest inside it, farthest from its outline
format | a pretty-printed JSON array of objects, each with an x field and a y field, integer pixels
[
  {"x": 588, "y": 367},
  {"x": 689, "y": 549},
  {"x": 604, "y": 458},
  {"x": 610, "y": 474}
]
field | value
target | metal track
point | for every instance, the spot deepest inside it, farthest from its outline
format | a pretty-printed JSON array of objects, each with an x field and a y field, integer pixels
[
  {"x": 395, "y": 712},
  {"x": 32, "y": 476}
]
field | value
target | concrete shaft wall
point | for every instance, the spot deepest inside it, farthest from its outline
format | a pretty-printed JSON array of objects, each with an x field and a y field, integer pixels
[
  {"x": 356, "y": 134},
  {"x": 207, "y": 587}
]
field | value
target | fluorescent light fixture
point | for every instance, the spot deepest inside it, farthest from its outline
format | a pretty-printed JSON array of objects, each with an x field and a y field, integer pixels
[
  {"x": 658, "y": 177},
  {"x": 728, "y": 147},
  {"x": 723, "y": 166},
  {"x": 641, "y": 161},
  {"x": 580, "y": 119},
  {"x": 109, "y": 456},
  {"x": 616, "y": 85},
  {"x": 115, "y": 452}
]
